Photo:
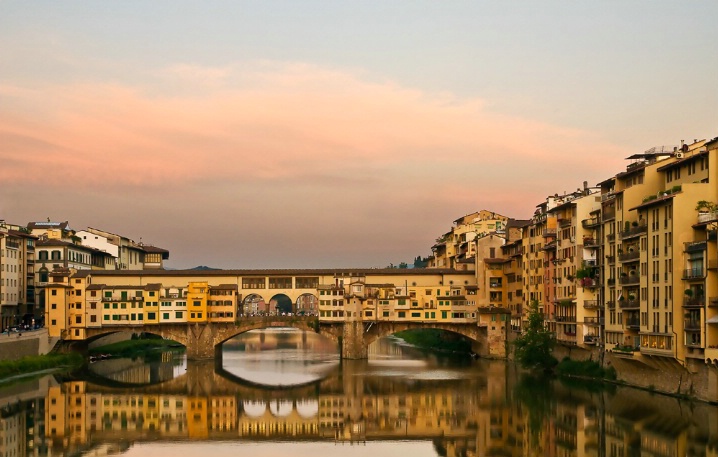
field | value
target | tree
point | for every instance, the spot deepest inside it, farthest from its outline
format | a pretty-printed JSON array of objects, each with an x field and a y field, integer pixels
[{"x": 534, "y": 346}]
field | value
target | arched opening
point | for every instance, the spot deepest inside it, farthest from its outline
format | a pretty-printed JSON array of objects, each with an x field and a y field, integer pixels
[
  {"x": 254, "y": 305},
  {"x": 307, "y": 305},
  {"x": 280, "y": 304}
]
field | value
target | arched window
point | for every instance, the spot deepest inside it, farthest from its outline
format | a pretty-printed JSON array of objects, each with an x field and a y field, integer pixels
[{"x": 43, "y": 273}]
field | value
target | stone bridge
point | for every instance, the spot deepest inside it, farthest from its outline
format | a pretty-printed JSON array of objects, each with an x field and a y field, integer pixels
[{"x": 204, "y": 340}]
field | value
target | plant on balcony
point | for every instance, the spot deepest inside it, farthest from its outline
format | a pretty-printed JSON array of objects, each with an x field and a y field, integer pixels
[
  {"x": 704, "y": 206},
  {"x": 634, "y": 224},
  {"x": 688, "y": 293},
  {"x": 631, "y": 297}
]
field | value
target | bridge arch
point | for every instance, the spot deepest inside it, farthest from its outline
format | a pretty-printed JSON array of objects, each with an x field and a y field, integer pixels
[
  {"x": 307, "y": 305},
  {"x": 254, "y": 305},
  {"x": 280, "y": 304},
  {"x": 473, "y": 333}
]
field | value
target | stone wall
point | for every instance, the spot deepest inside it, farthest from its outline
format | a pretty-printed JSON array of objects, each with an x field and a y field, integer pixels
[
  {"x": 659, "y": 374},
  {"x": 18, "y": 345}
]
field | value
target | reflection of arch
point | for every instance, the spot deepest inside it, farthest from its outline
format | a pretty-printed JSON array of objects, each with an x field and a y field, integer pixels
[
  {"x": 281, "y": 408},
  {"x": 254, "y": 304},
  {"x": 280, "y": 303},
  {"x": 307, "y": 304},
  {"x": 308, "y": 408},
  {"x": 254, "y": 408}
]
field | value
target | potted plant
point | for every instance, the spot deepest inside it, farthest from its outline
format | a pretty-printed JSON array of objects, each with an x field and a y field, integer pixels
[{"x": 688, "y": 293}]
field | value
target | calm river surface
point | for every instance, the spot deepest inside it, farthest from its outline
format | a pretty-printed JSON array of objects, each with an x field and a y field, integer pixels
[{"x": 285, "y": 393}]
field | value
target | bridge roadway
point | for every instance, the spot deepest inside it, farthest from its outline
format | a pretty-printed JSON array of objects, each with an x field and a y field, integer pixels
[{"x": 204, "y": 340}]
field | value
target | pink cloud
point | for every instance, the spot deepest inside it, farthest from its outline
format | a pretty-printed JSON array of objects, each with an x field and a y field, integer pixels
[{"x": 267, "y": 121}]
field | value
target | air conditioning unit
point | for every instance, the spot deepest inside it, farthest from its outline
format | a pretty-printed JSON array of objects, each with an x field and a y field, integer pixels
[{"x": 679, "y": 155}]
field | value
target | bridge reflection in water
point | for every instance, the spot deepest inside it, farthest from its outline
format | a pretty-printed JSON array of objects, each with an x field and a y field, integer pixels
[{"x": 486, "y": 409}]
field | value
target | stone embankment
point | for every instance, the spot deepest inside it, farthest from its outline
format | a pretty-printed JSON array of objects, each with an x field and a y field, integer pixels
[
  {"x": 15, "y": 345},
  {"x": 694, "y": 379}
]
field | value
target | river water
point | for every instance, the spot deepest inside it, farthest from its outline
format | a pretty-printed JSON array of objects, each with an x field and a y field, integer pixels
[{"x": 286, "y": 393}]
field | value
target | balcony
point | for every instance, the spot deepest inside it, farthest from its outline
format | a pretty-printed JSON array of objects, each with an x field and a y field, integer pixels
[
  {"x": 608, "y": 216},
  {"x": 704, "y": 218},
  {"x": 590, "y": 304},
  {"x": 629, "y": 304},
  {"x": 565, "y": 222},
  {"x": 549, "y": 232},
  {"x": 633, "y": 324},
  {"x": 634, "y": 231},
  {"x": 593, "y": 320},
  {"x": 566, "y": 319},
  {"x": 611, "y": 259},
  {"x": 590, "y": 223},
  {"x": 695, "y": 246},
  {"x": 611, "y": 237},
  {"x": 611, "y": 282},
  {"x": 693, "y": 273},
  {"x": 692, "y": 324},
  {"x": 697, "y": 302},
  {"x": 611, "y": 304},
  {"x": 629, "y": 280},
  {"x": 590, "y": 242},
  {"x": 629, "y": 256}
]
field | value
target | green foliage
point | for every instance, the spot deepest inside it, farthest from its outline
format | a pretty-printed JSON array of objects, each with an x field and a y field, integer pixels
[
  {"x": 36, "y": 363},
  {"x": 434, "y": 339},
  {"x": 134, "y": 347},
  {"x": 533, "y": 347},
  {"x": 584, "y": 368},
  {"x": 536, "y": 394}
]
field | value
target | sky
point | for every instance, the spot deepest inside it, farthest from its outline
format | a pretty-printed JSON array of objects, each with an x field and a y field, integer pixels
[{"x": 320, "y": 134}]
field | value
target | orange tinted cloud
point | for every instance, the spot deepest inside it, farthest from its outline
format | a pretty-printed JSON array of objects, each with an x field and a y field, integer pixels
[{"x": 269, "y": 122}]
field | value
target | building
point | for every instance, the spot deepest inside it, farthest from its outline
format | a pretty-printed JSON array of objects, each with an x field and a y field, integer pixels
[
  {"x": 454, "y": 248},
  {"x": 17, "y": 283}
]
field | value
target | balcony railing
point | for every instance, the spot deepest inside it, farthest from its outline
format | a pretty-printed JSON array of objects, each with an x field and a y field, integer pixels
[
  {"x": 589, "y": 242},
  {"x": 630, "y": 280},
  {"x": 611, "y": 259},
  {"x": 589, "y": 223},
  {"x": 611, "y": 237},
  {"x": 634, "y": 324},
  {"x": 565, "y": 222},
  {"x": 590, "y": 304},
  {"x": 593, "y": 320},
  {"x": 692, "y": 273},
  {"x": 608, "y": 216},
  {"x": 634, "y": 231},
  {"x": 611, "y": 281},
  {"x": 611, "y": 304},
  {"x": 692, "y": 324},
  {"x": 626, "y": 256},
  {"x": 566, "y": 319},
  {"x": 696, "y": 302},
  {"x": 695, "y": 246},
  {"x": 590, "y": 339},
  {"x": 629, "y": 304},
  {"x": 707, "y": 217}
]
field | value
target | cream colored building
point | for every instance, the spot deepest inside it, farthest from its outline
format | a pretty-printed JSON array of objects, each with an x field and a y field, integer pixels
[{"x": 454, "y": 248}]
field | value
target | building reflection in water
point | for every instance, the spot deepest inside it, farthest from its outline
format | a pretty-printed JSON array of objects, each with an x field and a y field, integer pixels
[{"x": 489, "y": 411}]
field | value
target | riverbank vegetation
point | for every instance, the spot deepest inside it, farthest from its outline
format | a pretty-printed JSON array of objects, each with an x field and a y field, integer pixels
[
  {"x": 137, "y": 346},
  {"x": 437, "y": 340},
  {"x": 533, "y": 348},
  {"x": 37, "y": 363},
  {"x": 585, "y": 369}
]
